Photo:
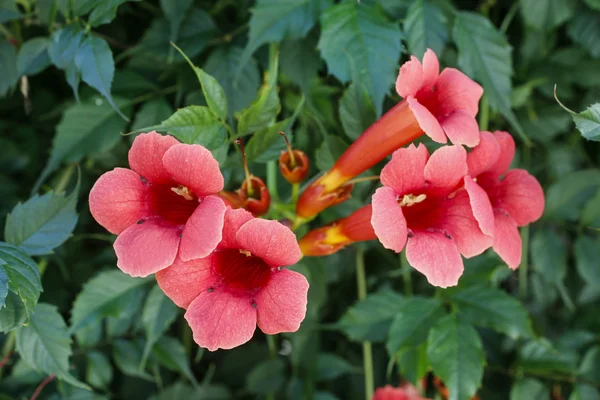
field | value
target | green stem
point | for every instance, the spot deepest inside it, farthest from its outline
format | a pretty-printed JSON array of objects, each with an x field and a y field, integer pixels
[
  {"x": 295, "y": 192},
  {"x": 406, "y": 274},
  {"x": 272, "y": 346},
  {"x": 523, "y": 268},
  {"x": 272, "y": 180},
  {"x": 361, "y": 282},
  {"x": 509, "y": 17},
  {"x": 564, "y": 294},
  {"x": 484, "y": 114},
  {"x": 64, "y": 179}
]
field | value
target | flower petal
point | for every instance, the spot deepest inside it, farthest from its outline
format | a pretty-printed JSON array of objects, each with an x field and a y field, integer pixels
[
  {"x": 183, "y": 281},
  {"x": 272, "y": 241},
  {"x": 431, "y": 69},
  {"x": 507, "y": 153},
  {"x": 234, "y": 219},
  {"x": 410, "y": 78},
  {"x": 521, "y": 195},
  {"x": 220, "y": 320},
  {"x": 388, "y": 220},
  {"x": 456, "y": 91},
  {"x": 507, "y": 241},
  {"x": 143, "y": 249},
  {"x": 436, "y": 257},
  {"x": 203, "y": 230},
  {"x": 146, "y": 156},
  {"x": 446, "y": 168},
  {"x": 427, "y": 121},
  {"x": 194, "y": 166},
  {"x": 484, "y": 155},
  {"x": 458, "y": 220},
  {"x": 461, "y": 128},
  {"x": 404, "y": 172},
  {"x": 118, "y": 200},
  {"x": 281, "y": 305},
  {"x": 481, "y": 206}
]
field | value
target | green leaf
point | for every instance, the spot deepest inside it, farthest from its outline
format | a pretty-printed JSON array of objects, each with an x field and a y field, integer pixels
[
  {"x": 456, "y": 355},
  {"x": 3, "y": 286},
  {"x": 588, "y": 370},
  {"x": 588, "y": 122},
  {"x": 175, "y": 13},
  {"x": 305, "y": 49},
  {"x": 331, "y": 149},
  {"x": 587, "y": 254},
  {"x": 85, "y": 128},
  {"x": 485, "y": 55},
  {"x": 371, "y": 318},
  {"x": 182, "y": 391},
  {"x": 590, "y": 216},
  {"x": 194, "y": 125},
  {"x": 595, "y": 4},
  {"x": 8, "y": 66},
  {"x": 566, "y": 197},
  {"x": 261, "y": 112},
  {"x": 526, "y": 389},
  {"x": 584, "y": 30},
  {"x": 23, "y": 274},
  {"x": 211, "y": 88},
  {"x": 33, "y": 56},
  {"x": 356, "y": 111},
  {"x": 415, "y": 317},
  {"x": 331, "y": 366},
  {"x": 538, "y": 356},
  {"x": 239, "y": 89},
  {"x": 266, "y": 377},
  {"x": 267, "y": 144},
  {"x": 42, "y": 223},
  {"x": 158, "y": 314},
  {"x": 13, "y": 314},
  {"x": 151, "y": 113},
  {"x": 547, "y": 14},
  {"x": 358, "y": 37},
  {"x": 128, "y": 312},
  {"x": 64, "y": 44},
  {"x": 105, "y": 12},
  {"x": 94, "y": 60},
  {"x": 103, "y": 296},
  {"x": 127, "y": 356},
  {"x": 583, "y": 391},
  {"x": 82, "y": 7},
  {"x": 493, "y": 308},
  {"x": 99, "y": 371},
  {"x": 425, "y": 26},
  {"x": 169, "y": 352},
  {"x": 549, "y": 255},
  {"x": 413, "y": 362},
  {"x": 9, "y": 11},
  {"x": 45, "y": 344}
]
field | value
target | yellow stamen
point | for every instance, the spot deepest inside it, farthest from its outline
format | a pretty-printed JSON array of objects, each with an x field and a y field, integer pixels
[
  {"x": 184, "y": 192},
  {"x": 246, "y": 253},
  {"x": 410, "y": 200}
]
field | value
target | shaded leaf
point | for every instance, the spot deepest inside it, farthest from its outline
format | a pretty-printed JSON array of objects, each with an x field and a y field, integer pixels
[
  {"x": 127, "y": 356},
  {"x": 587, "y": 254},
  {"x": 538, "y": 356},
  {"x": 99, "y": 371},
  {"x": 169, "y": 352},
  {"x": 529, "y": 388},
  {"x": 151, "y": 113},
  {"x": 13, "y": 314},
  {"x": 33, "y": 56},
  {"x": 331, "y": 366},
  {"x": 413, "y": 362},
  {"x": 425, "y": 26},
  {"x": 588, "y": 122},
  {"x": 268, "y": 376},
  {"x": 584, "y": 30},
  {"x": 8, "y": 66},
  {"x": 261, "y": 112},
  {"x": 549, "y": 255},
  {"x": 302, "y": 49},
  {"x": 9, "y": 11},
  {"x": 356, "y": 111},
  {"x": 566, "y": 197},
  {"x": 158, "y": 314},
  {"x": 547, "y": 14},
  {"x": 267, "y": 144},
  {"x": 22, "y": 272}
]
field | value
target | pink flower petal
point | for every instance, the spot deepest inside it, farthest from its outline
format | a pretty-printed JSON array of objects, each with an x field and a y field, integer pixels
[
  {"x": 481, "y": 206},
  {"x": 281, "y": 305},
  {"x": 436, "y": 257},
  {"x": 461, "y": 128},
  {"x": 194, "y": 166},
  {"x": 118, "y": 200},
  {"x": 404, "y": 172},
  {"x": 387, "y": 219},
  {"x": 458, "y": 220},
  {"x": 146, "y": 156},
  {"x": 431, "y": 69},
  {"x": 275, "y": 243},
  {"x": 456, "y": 91},
  {"x": 410, "y": 78},
  {"x": 143, "y": 249},
  {"x": 203, "y": 230},
  {"x": 521, "y": 195},
  {"x": 220, "y": 320},
  {"x": 427, "y": 121},
  {"x": 234, "y": 219},
  {"x": 446, "y": 168},
  {"x": 507, "y": 241},
  {"x": 183, "y": 281},
  {"x": 507, "y": 153},
  {"x": 484, "y": 155}
]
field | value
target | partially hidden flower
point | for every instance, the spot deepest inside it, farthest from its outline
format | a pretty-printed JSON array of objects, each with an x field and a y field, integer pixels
[
  {"x": 516, "y": 197},
  {"x": 441, "y": 105},
  {"x": 430, "y": 205},
  {"x": 293, "y": 163},
  {"x": 163, "y": 207},
  {"x": 241, "y": 284},
  {"x": 404, "y": 392}
]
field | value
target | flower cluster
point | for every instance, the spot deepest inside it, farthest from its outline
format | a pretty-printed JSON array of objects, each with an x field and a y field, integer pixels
[{"x": 213, "y": 255}]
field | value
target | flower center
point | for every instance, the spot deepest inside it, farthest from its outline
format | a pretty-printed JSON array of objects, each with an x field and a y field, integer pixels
[
  {"x": 410, "y": 200},
  {"x": 173, "y": 203},
  {"x": 241, "y": 270}
]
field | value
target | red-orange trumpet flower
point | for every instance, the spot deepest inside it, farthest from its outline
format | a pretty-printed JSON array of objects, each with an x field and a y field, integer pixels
[
  {"x": 254, "y": 195},
  {"x": 293, "y": 164}
]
